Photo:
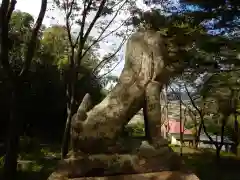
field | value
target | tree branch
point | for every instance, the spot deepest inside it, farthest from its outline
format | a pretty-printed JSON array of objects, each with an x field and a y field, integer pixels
[
  {"x": 178, "y": 96},
  {"x": 104, "y": 61},
  {"x": 68, "y": 25},
  {"x": 11, "y": 9},
  {"x": 4, "y": 23},
  {"x": 98, "y": 14},
  {"x": 200, "y": 112},
  {"x": 32, "y": 43},
  {"x": 83, "y": 40},
  {"x": 100, "y": 38},
  {"x": 190, "y": 112},
  {"x": 207, "y": 134},
  {"x": 4, "y": 8},
  {"x": 116, "y": 4},
  {"x": 72, "y": 45},
  {"x": 110, "y": 22},
  {"x": 81, "y": 33},
  {"x": 192, "y": 101},
  {"x": 84, "y": 16},
  {"x": 111, "y": 69}
]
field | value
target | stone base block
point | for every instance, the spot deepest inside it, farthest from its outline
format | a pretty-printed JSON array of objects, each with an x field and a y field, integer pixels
[
  {"x": 165, "y": 175},
  {"x": 146, "y": 160}
]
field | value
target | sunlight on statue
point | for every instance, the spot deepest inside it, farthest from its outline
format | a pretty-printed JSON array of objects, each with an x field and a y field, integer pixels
[
  {"x": 142, "y": 78},
  {"x": 97, "y": 146}
]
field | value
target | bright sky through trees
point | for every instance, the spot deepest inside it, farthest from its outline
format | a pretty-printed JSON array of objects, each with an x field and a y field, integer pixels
[{"x": 33, "y": 7}]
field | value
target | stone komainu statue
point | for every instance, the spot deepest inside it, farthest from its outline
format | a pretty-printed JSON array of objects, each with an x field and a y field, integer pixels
[
  {"x": 139, "y": 86},
  {"x": 97, "y": 149}
]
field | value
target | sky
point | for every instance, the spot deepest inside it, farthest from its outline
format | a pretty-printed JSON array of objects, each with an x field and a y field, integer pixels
[{"x": 33, "y": 7}]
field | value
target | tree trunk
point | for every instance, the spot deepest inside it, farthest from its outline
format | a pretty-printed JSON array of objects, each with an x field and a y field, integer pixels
[
  {"x": 218, "y": 151},
  {"x": 70, "y": 111},
  {"x": 218, "y": 163},
  {"x": 66, "y": 135},
  {"x": 166, "y": 105},
  {"x": 236, "y": 135},
  {"x": 12, "y": 141},
  {"x": 71, "y": 78},
  {"x": 181, "y": 123},
  {"x": 198, "y": 133},
  {"x": 15, "y": 123},
  {"x": 219, "y": 146}
]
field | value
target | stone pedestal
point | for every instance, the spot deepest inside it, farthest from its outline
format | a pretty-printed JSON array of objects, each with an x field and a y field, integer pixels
[
  {"x": 146, "y": 162},
  {"x": 164, "y": 175}
]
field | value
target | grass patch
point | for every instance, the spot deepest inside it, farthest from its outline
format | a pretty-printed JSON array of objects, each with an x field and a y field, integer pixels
[
  {"x": 37, "y": 163},
  {"x": 41, "y": 160},
  {"x": 203, "y": 163},
  {"x": 135, "y": 130}
]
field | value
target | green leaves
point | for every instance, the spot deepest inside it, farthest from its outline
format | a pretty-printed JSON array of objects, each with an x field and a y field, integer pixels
[
  {"x": 20, "y": 28},
  {"x": 203, "y": 36},
  {"x": 21, "y": 22},
  {"x": 55, "y": 45},
  {"x": 222, "y": 14}
]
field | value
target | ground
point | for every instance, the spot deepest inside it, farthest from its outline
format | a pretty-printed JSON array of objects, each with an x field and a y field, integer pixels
[
  {"x": 38, "y": 163},
  {"x": 203, "y": 163},
  {"x": 41, "y": 161}
]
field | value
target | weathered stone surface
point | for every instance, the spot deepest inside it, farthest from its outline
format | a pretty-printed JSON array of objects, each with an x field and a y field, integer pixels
[
  {"x": 97, "y": 148},
  {"x": 152, "y": 111},
  {"x": 145, "y": 160},
  {"x": 146, "y": 57},
  {"x": 164, "y": 175}
]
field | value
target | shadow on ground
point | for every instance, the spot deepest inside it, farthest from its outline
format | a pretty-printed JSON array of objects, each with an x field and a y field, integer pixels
[
  {"x": 43, "y": 160},
  {"x": 206, "y": 167},
  {"x": 37, "y": 163}
]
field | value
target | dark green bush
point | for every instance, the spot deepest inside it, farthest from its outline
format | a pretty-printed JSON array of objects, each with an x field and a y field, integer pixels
[{"x": 135, "y": 130}]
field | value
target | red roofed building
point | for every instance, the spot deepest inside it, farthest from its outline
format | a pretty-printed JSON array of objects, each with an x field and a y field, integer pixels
[
  {"x": 171, "y": 130},
  {"x": 174, "y": 127}
]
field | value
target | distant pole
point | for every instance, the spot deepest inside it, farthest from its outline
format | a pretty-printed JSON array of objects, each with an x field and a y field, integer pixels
[
  {"x": 181, "y": 124},
  {"x": 166, "y": 106}
]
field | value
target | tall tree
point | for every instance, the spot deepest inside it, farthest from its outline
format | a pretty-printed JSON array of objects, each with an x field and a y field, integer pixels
[
  {"x": 54, "y": 45},
  {"x": 16, "y": 79},
  {"x": 223, "y": 89}
]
